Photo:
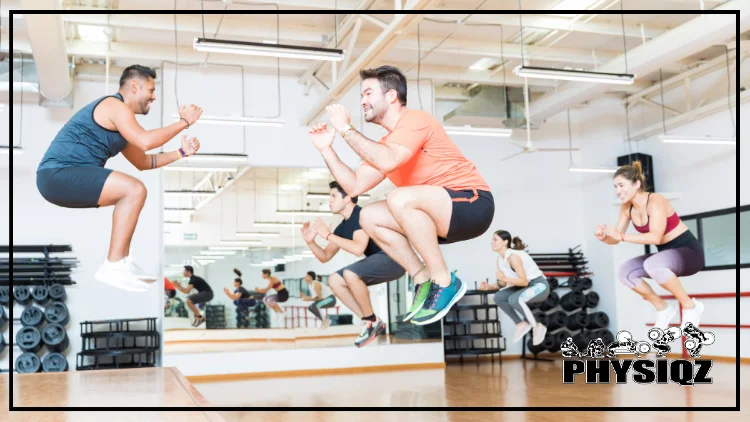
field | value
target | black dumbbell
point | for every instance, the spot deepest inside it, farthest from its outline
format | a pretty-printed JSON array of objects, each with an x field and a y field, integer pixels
[
  {"x": 57, "y": 313},
  {"x": 54, "y": 362},
  {"x": 3, "y": 318},
  {"x": 553, "y": 283},
  {"x": 549, "y": 343},
  {"x": 585, "y": 283},
  {"x": 598, "y": 320},
  {"x": 572, "y": 301},
  {"x": 577, "y": 320},
  {"x": 573, "y": 283},
  {"x": 22, "y": 295},
  {"x": 40, "y": 294},
  {"x": 581, "y": 340},
  {"x": 57, "y": 292},
  {"x": 591, "y": 299},
  {"x": 552, "y": 300},
  {"x": 4, "y": 296},
  {"x": 561, "y": 336},
  {"x": 2, "y": 343},
  {"x": 556, "y": 320},
  {"x": 606, "y": 336},
  {"x": 541, "y": 318},
  {"x": 32, "y": 317},
  {"x": 28, "y": 363},
  {"x": 29, "y": 339},
  {"x": 534, "y": 349},
  {"x": 55, "y": 337}
]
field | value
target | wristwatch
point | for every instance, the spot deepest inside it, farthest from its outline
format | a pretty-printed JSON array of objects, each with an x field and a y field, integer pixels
[{"x": 348, "y": 128}]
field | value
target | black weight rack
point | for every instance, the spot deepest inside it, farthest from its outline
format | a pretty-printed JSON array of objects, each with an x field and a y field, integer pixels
[
  {"x": 118, "y": 344},
  {"x": 36, "y": 271},
  {"x": 459, "y": 340},
  {"x": 215, "y": 318}
]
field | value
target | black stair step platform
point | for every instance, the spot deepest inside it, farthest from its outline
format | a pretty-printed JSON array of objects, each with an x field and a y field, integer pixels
[
  {"x": 36, "y": 272},
  {"x": 35, "y": 248},
  {"x": 461, "y": 322},
  {"x": 36, "y": 281},
  {"x": 466, "y": 307},
  {"x": 471, "y": 336},
  {"x": 118, "y": 352},
  {"x": 482, "y": 351},
  {"x": 115, "y": 366},
  {"x": 114, "y": 334},
  {"x": 478, "y": 292}
]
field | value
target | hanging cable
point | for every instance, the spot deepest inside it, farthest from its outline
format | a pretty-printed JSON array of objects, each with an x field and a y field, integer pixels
[
  {"x": 176, "y": 58},
  {"x": 203, "y": 22},
  {"x": 336, "y": 23},
  {"x": 624, "y": 44},
  {"x": 627, "y": 130},
  {"x": 520, "y": 23},
  {"x": 729, "y": 92},
  {"x": 570, "y": 140},
  {"x": 419, "y": 63},
  {"x": 20, "y": 118},
  {"x": 663, "y": 115},
  {"x": 502, "y": 60}
]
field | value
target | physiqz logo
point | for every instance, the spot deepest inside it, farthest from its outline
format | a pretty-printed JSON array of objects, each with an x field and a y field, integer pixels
[{"x": 640, "y": 370}]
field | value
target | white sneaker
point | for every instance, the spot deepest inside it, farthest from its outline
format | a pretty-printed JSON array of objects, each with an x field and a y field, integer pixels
[
  {"x": 664, "y": 317},
  {"x": 521, "y": 330},
  {"x": 539, "y": 332},
  {"x": 117, "y": 274},
  {"x": 692, "y": 315},
  {"x": 280, "y": 320},
  {"x": 137, "y": 271},
  {"x": 326, "y": 322}
]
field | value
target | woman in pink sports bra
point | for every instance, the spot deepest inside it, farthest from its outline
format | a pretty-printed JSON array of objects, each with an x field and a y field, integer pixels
[
  {"x": 679, "y": 254},
  {"x": 272, "y": 301}
]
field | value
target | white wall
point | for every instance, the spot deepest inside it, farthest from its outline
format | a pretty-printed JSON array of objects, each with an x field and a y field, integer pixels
[{"x": 35, "y": 221}]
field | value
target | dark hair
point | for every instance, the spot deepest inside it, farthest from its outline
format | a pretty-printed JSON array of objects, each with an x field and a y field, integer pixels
[
  {"x": 312, "y": 274},
  {"x": 238, "y": 280},
  {"x": 267, "y": 271},
  {"x": 335, "y": 185},
  {"x": 136, "y": 71},
  {"x": 390, "y": 77},
  {"x": 239, "y": 274},
  {"x": 513, "y": 242},
  {"x": 634, "y": 173},
  {"x": 189, "y": 269}
]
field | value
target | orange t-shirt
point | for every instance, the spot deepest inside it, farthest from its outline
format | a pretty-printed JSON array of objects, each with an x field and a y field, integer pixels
[
  {"x": 436, "y": 160},
  {"x": 168, "y": 284}
]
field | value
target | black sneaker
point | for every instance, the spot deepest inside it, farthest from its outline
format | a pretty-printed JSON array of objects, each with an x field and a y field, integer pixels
[{"x": 370, "y": 330}]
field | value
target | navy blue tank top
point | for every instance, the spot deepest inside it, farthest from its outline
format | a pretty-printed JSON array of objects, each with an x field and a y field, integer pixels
[{"x": 82, "y": 142}]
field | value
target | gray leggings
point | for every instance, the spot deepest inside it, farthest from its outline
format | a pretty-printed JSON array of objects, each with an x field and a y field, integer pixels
[{"x": 513, "y": 300}]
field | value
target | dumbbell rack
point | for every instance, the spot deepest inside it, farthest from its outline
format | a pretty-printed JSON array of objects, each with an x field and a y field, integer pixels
[
  {"x": 215, "y": 317},
  {"x": 48, "y": 275},
  {"x": 128, "y": 343},
  {"x": 491, "y": 330},
  {"x": 573, "y": 266}
]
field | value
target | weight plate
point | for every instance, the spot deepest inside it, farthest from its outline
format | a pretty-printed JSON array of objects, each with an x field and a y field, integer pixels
[
  {"x": 29, "y": 339},
  {"x": 32, "y": 317},
  {"x": 57, "y": 313},
  {"x": 22, "y": 295},
  {"x": 28, "y": 363},
  {"x": 40, "y": 294},
  {"x": 57, "y": 292},
  {"x": 55, "y": 362},
  {"x": 4, "y": 296},
  {"x": 2, "y": 343},
  {"x": 54, "y": 336}
]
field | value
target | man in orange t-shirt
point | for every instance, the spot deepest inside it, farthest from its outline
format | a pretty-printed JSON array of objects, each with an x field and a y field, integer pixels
[{"x": 440, "y": 197}]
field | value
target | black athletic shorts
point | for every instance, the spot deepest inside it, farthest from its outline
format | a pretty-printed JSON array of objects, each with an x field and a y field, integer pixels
[
  {"x": 201, "y": 297},
  {"x": 472, "y": 215},
  {"x": 72, "y": 187}
]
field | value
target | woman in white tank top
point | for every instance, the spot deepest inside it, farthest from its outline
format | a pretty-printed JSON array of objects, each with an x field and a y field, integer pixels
[
  {"x": 524, "y": 283},
  {"x": 321, "y": 296}
]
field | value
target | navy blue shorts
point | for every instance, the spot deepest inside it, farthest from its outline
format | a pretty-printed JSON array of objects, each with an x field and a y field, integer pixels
[{"x": 72, "y": 187}]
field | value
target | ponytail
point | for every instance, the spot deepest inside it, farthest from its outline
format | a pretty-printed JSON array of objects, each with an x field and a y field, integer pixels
[
  {"x": 518, "y": 244},
  {"x": 513, "y": 242},
  {"x": 634, "y": 173}
]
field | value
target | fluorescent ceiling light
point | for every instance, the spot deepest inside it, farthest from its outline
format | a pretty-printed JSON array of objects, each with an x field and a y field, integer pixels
[
  {"x": 478, "y": 131},
  {"x": 320, "y": 195},
  {"x": 218, "y": 253},
  {"x": 205, "y": 261},
  {"x": 191, "y": 193},
  {"x": 574, "y": 75},
  {"x": 173, "y": 222},
  {"x": 706, "y": 140},
  {"x": 256, "y": 234},
  {"x": 592, "y": 170},
  {"x": 240, "y": 242},
  {"x": 272, "y": 50},
  {"x": 92, "y": 33},
  {"x": 175, "y": 266},
  {"x": 6, "y": 150},
  {"x": 258, "y": 265},
  {"x": 228, "y": 158},
  {"x": 303, "y": 212},
  {"x": 276, "y": 224},
  {"x": 227, "y": 248},
  {"x": 482, "y": 64},
  {"x": 236, "y": 120},
  {"x": 203, "y": 257},
  {"x": 205, "y": 169}
]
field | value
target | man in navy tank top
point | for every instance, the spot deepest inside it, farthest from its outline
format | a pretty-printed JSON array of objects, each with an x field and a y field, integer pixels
[{"x": 72, "y": 174}]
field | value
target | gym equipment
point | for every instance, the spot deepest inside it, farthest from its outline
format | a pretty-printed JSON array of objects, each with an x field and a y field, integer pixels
[
  {"x": 553, "y": 283},
  {"x": 572, "y": 301},
  {"x": 29, "y": 339},
  {"x": 542, "y": 318},
  {"x": 32, "y": 317},
  {"x": 54, "y": 362},
  {"x": 577, "y": 321},
  {"x": 561, "y": 336},
  {"x": 598, "y": 320},
  {"x": 606, "y": 336},
  {"x": 40, "y": 294},
  {"x": 22, "y": 295},
  {"x": 556, "y": 320},
  {"x": 585, "y": 283},
  {"x": 3, "y": 318},
  {"x": 582, "y": 339},
  {"x": 57, "y": 292},
  {"x": 54, "y": 336},
  {"x": 534, "y": 349},
  {"x": 4, "y": 296},
  {"x": 28, "y": 363},
  {"x": 552, "y": 300},
  {"x": 591, "y": 299},
  {"x": 2, "y": 343},
  {"x": 57, "y": 313},
  {"x": 549, "y": 342}
]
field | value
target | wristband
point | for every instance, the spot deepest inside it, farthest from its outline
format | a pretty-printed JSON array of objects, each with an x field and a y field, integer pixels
[
  {"x": 188, "y": 123},
  {"x": 182, "y": 153},
  {"x": 343, "y": 133}
]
